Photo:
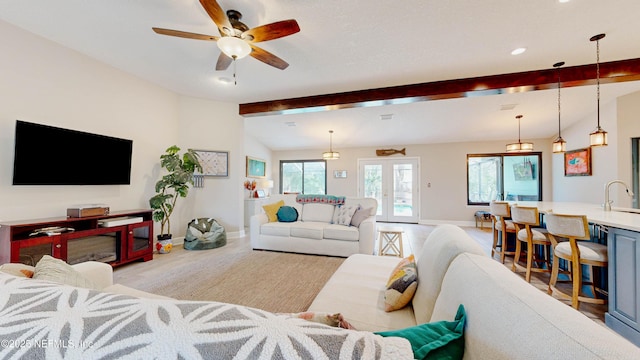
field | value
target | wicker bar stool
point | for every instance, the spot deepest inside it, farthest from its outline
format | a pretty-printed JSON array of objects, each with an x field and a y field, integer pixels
[
  {"x": 501, "y": 214},
  {"x": 575, "y": 228},
  {"x": 526, "y": 221}
]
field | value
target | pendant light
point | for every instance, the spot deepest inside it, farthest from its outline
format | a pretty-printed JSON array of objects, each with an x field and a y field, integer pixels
[
  {"x": 598, "y": 137},
  {"x": 519, "y": 146},
  {"x": 331, "y": 155},
  {"x": 559, "y": 145}
]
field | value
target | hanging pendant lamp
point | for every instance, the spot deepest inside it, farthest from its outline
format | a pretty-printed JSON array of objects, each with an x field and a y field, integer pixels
[
  {"x": 519, "y": 146},
  {"x": 559, "y": 145},
  {"x": 598, "y": 137},
  {"x": 330, "y": 155}
]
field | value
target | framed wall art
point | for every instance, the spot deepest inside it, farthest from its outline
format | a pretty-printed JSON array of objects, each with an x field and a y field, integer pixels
[
  {"x": 256, "y": 168},
  {"x": 340, "y": 174},
  {"x": 577, "y": 162},
  {"x": 214, "y": 163}
]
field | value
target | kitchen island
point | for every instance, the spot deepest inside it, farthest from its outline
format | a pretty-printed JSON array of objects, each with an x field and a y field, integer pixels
[{"x": 622, "y": 229}]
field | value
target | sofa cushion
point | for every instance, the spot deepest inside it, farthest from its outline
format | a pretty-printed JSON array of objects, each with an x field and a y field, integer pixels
[
  {"x": 342, "y": 214},
  {"x": 58, "y": 271},
  {"x": 317, "y": 212},
  {"x": 401, "y": 285},
  {"x": 360, "y": 215},
  {"x": 309, "y": 230},
  {"x": 436, "y": 340},
  {"x": 287, "y": 214},
  {"x": 276, "y": 229},
  {"x": 17, "y": 269},
  {"x": 272, "y": 209},
  {"x": 356, "y": 290},
  {"x": 339, "y": 232},
  {"x": 442, "y": 246}
]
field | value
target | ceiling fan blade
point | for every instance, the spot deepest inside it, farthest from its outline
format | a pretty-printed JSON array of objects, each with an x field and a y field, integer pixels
[
  {"x": 271, "y": 31},
  {"x": 223, "y": 62},
  {"x": 218, "y": 16},
  {"x": 268, "y": 58},
  {"x": 184, "y": 34}
]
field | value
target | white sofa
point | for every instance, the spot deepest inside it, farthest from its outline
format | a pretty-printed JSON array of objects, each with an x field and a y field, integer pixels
[
  {"x": 314, "y": 232},
  {"x": 507, "y": 318},
  {"x": 45, "y": 320}
]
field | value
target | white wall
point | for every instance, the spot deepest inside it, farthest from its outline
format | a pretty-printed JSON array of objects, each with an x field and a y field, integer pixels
[
  {"x": 43, "y": 82},
  {"x": 620, "y": 120},
  {"x": 441, "y": 165},
  {"x": 210, "y": 125}
]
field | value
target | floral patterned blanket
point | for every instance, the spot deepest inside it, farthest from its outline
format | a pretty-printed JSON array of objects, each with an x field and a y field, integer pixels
[{"x": 42, "y": 320}]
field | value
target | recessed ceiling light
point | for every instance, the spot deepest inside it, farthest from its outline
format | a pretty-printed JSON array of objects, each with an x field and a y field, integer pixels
[
  {"x": 386, "y": 116},
  {"x": 563, "y": 1},
  {"x": 518, "y": 51},
  {"x": 225, "y": 80}
]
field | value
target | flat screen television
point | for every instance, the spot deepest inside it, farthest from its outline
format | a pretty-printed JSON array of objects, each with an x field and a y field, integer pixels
[{"x": 47, "y": 155}]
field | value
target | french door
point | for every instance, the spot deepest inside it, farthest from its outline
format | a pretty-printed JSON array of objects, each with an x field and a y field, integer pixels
[{"x": 394, "y": 183}]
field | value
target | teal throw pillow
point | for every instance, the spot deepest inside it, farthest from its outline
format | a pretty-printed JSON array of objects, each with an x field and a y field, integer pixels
[
  {"x": 436, "y": 340},
  {"x": 287, "y": 214}
]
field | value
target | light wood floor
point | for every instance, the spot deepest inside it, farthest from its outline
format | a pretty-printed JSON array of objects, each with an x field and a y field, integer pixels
[{"x": 138, "y": 273}]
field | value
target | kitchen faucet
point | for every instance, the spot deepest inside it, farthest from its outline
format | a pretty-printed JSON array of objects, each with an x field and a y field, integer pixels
[{"x": 607, "y": 202}]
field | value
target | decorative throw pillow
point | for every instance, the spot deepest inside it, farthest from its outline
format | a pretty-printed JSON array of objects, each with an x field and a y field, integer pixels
[
  {"x": 272, "y": 209},
  {"x": 58, "y": 271},
  {"x": 360, "y": 215},
  {"x": 436, "y": 340},
  {"x": 287, "y": 214},
  {"x": 402, "y": 285},
  {"x": 342, "y": 214}
]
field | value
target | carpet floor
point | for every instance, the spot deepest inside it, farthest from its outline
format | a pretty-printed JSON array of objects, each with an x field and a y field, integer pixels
[{"x": 272, "y": 281}]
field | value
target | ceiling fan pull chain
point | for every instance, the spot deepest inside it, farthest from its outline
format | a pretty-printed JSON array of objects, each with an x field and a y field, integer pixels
[{"x": 235, "y": 80}]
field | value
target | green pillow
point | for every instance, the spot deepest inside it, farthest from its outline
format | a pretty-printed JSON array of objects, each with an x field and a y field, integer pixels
[
  {"x": 437, "y": 340},
  {"x": 287, "y": 214}
]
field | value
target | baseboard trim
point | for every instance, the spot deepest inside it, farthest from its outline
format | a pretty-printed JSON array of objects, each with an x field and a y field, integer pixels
[{"x": 440, "y": 222}]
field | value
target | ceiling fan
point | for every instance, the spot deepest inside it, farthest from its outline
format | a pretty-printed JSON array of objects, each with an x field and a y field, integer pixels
[{"x": 237, "y": 39}]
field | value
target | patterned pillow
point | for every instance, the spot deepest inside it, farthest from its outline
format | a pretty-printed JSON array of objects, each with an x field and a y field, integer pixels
[
  {"x": 272, "y": 210},
  {"x": 402, "y": 285},
  {"x": 342, "y": 214},
  {"x": 287, "y": 214},
  {"x": 360, "y": 215}
]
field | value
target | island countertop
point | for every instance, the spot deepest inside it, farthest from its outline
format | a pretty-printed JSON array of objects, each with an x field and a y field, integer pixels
[{"x": 622, "y": 218}]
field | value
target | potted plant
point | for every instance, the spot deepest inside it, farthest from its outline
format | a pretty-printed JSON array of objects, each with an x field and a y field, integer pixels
[{"x": 171, "y": 186}]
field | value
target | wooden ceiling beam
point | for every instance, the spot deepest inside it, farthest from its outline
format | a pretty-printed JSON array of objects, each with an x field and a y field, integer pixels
[{"x": 610, "y": 72}]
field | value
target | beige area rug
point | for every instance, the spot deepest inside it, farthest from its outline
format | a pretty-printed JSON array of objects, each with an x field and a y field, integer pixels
[{"x": 272, "y": 281}]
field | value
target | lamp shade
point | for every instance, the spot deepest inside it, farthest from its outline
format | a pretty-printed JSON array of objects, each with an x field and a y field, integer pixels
[
  {"x": 559, "y": 145},
  {"x": 330, "y": 155},
  {"x": 598, "y": 137},
  {"x": 234, "y": 47}
]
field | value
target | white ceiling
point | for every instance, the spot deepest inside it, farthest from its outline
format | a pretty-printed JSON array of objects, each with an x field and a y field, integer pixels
[{"x": 355, "y": 45}]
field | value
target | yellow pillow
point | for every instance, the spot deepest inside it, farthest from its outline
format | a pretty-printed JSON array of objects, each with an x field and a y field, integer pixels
[
  {"x": 401, "y": 285},
  {"x": 272, "y": 209}
]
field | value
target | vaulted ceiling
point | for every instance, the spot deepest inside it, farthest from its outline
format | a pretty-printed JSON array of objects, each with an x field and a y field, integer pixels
[{"x": 346, "y": 46}]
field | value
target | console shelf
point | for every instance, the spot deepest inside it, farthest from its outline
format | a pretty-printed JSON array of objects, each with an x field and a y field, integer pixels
[{"x": 115, "y": 245}]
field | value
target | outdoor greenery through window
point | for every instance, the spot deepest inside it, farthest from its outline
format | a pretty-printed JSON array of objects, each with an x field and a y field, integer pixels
[
  {"x": 303, "y": 176},
  {"x": 511, "y": 177}
]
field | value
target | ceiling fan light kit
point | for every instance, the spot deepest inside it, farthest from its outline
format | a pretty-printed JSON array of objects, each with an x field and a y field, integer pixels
[
  {"x": 234, "y": 47},
  {"x": 598, "y": 137}
]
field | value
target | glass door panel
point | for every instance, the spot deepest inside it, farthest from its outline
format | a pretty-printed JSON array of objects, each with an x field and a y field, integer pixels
[{"x": 393, "y": 183}]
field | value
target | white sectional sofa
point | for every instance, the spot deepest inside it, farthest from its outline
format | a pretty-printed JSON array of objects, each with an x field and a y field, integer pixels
[
  {"x": 314, "y": 232},
  {"x": 506, "y": 317}
]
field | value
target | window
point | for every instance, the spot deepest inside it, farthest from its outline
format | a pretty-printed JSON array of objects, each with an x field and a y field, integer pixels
[
  {"x": 511, "y": 177},
  {"x": 303, "y": 176}
]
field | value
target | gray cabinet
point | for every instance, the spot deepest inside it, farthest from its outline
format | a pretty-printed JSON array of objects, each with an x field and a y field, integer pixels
[{"x": 624, "y": 283}]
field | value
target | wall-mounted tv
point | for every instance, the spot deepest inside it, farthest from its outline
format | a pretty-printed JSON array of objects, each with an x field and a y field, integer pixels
[{"x": 47, "y": 155}]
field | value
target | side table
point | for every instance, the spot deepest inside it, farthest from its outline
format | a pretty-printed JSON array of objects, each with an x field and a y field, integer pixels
[{"x": 390, "y": 241}]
